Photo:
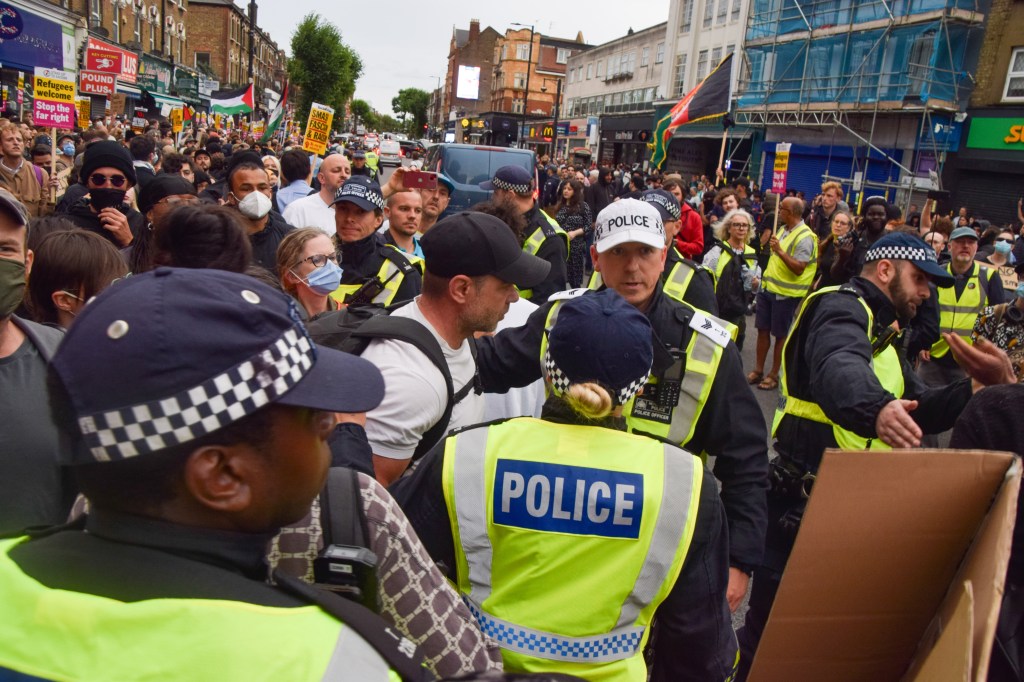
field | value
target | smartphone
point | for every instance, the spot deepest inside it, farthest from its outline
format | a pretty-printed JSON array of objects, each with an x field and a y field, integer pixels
[{"x": 417, "y": 179}]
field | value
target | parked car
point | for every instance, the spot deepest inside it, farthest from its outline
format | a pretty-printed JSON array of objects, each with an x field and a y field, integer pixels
[
  {"x": 468, "y": 165},
  {"x": 413, "y": 149},
  {"x": 390, "y": 152}
]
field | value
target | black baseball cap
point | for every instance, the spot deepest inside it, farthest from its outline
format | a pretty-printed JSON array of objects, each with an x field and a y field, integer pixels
[
  {"x": 511, "y": 178},
  {"x": 665, "y": 202},
  {"x": 477, "y": 244},
  {"x": 208, "y": 348},
  {"x": 361, "y": 191}
]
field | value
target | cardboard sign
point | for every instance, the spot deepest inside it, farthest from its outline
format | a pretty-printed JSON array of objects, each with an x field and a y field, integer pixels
[
  {"x": 97, "y": 83},
  {"x": 84, "y": 110},
  {"x": 1007, "y": 274},
  {"x": 139, "y": 121},
  {"x": 54, "y": 85},
  {"x": 897, "y": 570},
  {"x": 177, "y": 117},
  {"x": 781, "y": 169},
  {"x": 117, "y": 104},
  {"x": 318, "y": 129}
]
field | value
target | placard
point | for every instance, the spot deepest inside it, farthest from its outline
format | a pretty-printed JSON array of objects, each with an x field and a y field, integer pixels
[
  {"x": 84, "y": 110},
  {"x": 781, "y": 168},
  {"x": 177, "y": 118},
  {"x": 318, "y": 129},
  {"x": 54, "y": 85}
]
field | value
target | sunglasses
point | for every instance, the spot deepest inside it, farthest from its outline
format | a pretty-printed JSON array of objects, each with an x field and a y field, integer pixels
[
  {"x": 99, "y": 179},
  {"x": 320, "y": 259},
  {"x": 1004, "y": 240}
]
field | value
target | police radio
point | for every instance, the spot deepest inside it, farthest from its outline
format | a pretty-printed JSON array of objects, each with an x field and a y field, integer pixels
[{"x": 346, "y": 565}]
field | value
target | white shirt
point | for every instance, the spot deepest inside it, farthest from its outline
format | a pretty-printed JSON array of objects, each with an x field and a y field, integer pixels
[
  {"x": 414, "y": 392},
  {"x": 311, "y": 211},
  {"x": 517, "y": 402}
]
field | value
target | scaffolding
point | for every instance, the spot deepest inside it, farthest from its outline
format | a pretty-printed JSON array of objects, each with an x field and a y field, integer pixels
[{"x": 842, "y": 64}]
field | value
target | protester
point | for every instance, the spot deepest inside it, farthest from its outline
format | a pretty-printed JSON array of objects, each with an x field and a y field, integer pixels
[
  {"x": 734, "y": 262},
  {"x": 296, "y": 172},
  {"x": 402, "y": 213},
  {"x": 835, "y": 251},
  {"x": 249, "y": 195},
  {"x": 1003, "y": 325},
  {"x": 307, "y": 267},
  {"x": 435, "y": 201},
  {"x": 202, "y": 237},
  {"x": 109, "y": 173},
  {"x": 27, "y": 182},
  {"x": 315, "y": 210},
  {"x": 573, "y": 215}
]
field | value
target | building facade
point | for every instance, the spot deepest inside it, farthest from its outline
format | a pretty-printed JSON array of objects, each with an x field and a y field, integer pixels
[
  {"x": 468, "y": 81},
  {"x": 610, "y": 94}
]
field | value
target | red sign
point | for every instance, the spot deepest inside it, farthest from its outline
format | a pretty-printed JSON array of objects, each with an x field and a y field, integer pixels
[
  {"x": 102, "y": 50},
  {"x": 53, "y": 114},
  {"x": 96, "y": 83},
  {"x": 107, "y": 61}
]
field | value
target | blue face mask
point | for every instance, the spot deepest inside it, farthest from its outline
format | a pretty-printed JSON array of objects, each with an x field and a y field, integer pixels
[
  {"x": 69, "y": 150},
  {"x": 1003, "y": 247},
  {"x": 324, "y": 279},
  {"x": 1020, "y": 290}
]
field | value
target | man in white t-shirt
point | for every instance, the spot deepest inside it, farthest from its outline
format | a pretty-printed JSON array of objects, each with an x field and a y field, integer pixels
[
  {"x": 473, "y": 265},
  {"x": 315, "y": 210}
]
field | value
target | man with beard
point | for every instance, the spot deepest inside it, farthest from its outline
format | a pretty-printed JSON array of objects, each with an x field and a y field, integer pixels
[
  {"x": 435, "y": 201},
  {"x": 403, "y": 213},
  {"x": 845, "y": 385},
  {"x": 874, "y": 215}
]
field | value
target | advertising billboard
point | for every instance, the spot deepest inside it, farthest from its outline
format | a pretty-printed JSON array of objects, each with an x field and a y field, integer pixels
[{"x": 468, "y": 85}]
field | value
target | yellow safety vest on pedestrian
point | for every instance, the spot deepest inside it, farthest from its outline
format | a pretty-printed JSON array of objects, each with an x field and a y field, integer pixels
[
  {"x": 749, "y": 255},
  {"x": 886, "y": 367},
  {"x": 391, "y": 275},
  {"x": 778, "y": 279},
  {"x": 958, "y": 315},
  {"x": 536, "y": 240},
  {"x": 58, "y": 634},
  {"x": 644, "y": 414},
  {"x": 565, "y": 543}
]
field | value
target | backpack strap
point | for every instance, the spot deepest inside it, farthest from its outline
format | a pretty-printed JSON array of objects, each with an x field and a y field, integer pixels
[
  {"x": 344, "y": 523},
  {"x": 39, "y": 175}
]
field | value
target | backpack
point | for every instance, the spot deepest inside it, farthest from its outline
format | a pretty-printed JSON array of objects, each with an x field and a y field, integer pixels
[
  {"x": 351, "y": 330},
  {"x": 732, "y": 298}
]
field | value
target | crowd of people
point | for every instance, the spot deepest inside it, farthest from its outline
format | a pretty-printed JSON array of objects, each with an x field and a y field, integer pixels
[{"x": 261, "y": 398}]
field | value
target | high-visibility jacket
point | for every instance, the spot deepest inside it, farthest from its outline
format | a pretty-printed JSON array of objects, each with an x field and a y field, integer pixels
[
  {"x": 778, "y": 279},
  {"x": 885, "y": 365},
  {"x": 749, "y": 255},
  {"x": 957, "y": 315},
  {"x": 391, "y": 274},
  {"x": 57, "y": 634},
  {"x": 565, "y": 543},
  {"x": 536, "y": 240},
  {"x": 644, "y": 414}
]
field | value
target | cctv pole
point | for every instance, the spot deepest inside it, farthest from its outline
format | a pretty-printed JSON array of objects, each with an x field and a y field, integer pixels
[
  {"x": 554, "y": 127},
  {"x": 526, "y": 97},
  {"x": 252, "y": 55}
]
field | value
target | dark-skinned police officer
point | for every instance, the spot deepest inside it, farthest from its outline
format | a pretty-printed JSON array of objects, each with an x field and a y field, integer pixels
[
  {"x": 210, "y": 435},
  {"x": 844, "y": 384},
  {"x": 697, "y": 397}
]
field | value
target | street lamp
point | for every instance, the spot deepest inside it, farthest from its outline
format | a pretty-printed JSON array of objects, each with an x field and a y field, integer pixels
[
  {"x": 526, "y": 99},
  {"x": 554, "y": 125}
]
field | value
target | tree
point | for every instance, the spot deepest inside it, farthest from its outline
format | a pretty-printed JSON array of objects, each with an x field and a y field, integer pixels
[
  {"x": 360, "y": 110},
  {"x": 322, "y": 68},
  {"x": 414, "y": 102}
]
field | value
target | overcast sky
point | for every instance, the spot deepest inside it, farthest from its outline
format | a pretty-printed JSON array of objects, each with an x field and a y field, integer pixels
[{"x": 404, "y": 44}]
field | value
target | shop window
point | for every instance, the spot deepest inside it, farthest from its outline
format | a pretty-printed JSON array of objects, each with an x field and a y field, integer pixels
[{"x": 1014, "y": 90}]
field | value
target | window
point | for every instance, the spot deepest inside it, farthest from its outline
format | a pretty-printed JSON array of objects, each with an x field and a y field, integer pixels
[
  {"x": 598, "y": 71},
  {"x": 202, "y": 60},
  {"x": 116, "y": 32},
  {"x": 723, "y": 11},
  {"x": 523, "y": 51},
  {"x": 729, "y": 49},
  {"x": 572, "y": 75},
  {"x": 152, "y": 36},
  {"x": 686, "y": 22},
  {"x": 702, "y": 65},
  {"x": 716, "y": 56},
  {"x": 517, "y": 106},
  {"x": 590, "y": 70},
  {"x": 659, "y": 55},
  {"x": 562, "y": 56},
  {"x": 736, "y": 5},
  {"x": 709, "y": 12},
  {"x": 680, "y": 77},
  {"x": 96, "y": 12},
  {"x": 504, "y": 52},
  {"x": 645, "y": 56},
  {"x": 1014, "y": 90},
  {"x": 519, "y": 81}
]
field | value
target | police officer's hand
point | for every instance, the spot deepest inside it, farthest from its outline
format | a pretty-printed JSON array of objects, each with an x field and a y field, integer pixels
[
  {"x": 895, "y": 426},
  {"x": 738, "y": 583},
  {"x": 116, "y": 222},
  {"x": 985, "y": 363}
]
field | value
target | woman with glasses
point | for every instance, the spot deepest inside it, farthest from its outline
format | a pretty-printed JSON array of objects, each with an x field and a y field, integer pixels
[
  {"x": 307, "y": 266},
  {"x": 835, "y": 251},
  {"x": 734, "y": 262}
]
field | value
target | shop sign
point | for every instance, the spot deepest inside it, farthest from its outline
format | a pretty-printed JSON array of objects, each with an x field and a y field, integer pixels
[
  {"x": 129, "y": 68},
  {"x": 997, "y": 133},
  {"x": 97, "y": 83},
  {"x": 154, "y": 75},
  {"x": 623, "y": 134},
  {"x": 28, "y": 40}
]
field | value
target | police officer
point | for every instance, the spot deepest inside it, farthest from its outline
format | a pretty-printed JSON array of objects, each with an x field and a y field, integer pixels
[
  {"x": 845, "y": 385},
  {"x": 372, "y": 271},
  {"x": 544, "y": 238},
  {"x": 208, "y": 438},
  {"x": 697, "y": 397},
  {"x": 360, "y": 166},
  {"x": 565, "y": 534}
]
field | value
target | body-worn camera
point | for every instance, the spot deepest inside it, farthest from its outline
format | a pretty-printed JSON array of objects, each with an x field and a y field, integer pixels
[{"x": 349, "y": 571}]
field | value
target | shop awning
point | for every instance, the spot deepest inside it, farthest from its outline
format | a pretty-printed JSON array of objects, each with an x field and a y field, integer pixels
[
  {"x": 167, "y": 100},
  {"x": 129, "y": 90}
]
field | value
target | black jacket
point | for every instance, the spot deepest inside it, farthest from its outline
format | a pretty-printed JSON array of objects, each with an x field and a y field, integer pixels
[
  {"x": 553, "y": 251},
  {"x": 695, "y": 639},
  {"x": 82, "y": 216},
  {"x": 265, "y": 242},
  {"x": 361, "y": 261},
  {"x": 731, "y": 427}
]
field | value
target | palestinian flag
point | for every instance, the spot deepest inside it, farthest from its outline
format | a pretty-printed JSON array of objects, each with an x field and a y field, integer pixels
[
  {"x": 275, "y": 117},
  {"x": 230, "y": 102},
  {"x": 708, "y": 100}
]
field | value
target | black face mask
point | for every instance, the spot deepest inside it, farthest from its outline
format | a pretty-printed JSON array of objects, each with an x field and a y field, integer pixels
[{"x": 106, "y": 197}]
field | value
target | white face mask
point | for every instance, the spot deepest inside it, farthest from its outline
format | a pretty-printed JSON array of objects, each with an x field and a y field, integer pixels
[{"x": 255, "y": 205}]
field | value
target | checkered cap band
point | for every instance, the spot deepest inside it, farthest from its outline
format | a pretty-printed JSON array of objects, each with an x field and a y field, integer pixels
[
  {"x": 910, "y": 253},
  {"x": 672, "y": 208},
  {"x": 200, "y": 410},
  {"x": 560, "y": 383},
  {"x": 358, "y": 191},
  {"x": 512, "y": 187}
]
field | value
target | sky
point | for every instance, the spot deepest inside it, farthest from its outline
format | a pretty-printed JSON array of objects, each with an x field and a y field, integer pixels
[{"x": 404, "y": 44}]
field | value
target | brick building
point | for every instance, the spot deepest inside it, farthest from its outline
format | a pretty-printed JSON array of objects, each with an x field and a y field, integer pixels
[
  {"x": 158, "y": 27},
  {"x": 473, "y": 51}
]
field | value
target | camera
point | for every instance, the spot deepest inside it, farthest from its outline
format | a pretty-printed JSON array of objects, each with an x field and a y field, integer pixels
[{"x": 350, "y": 572}]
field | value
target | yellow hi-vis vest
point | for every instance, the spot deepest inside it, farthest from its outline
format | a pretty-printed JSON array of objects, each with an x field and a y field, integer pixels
[
  {"x": 886, "y": 366},
  {"x": 58, "y": 634},
  {"x": 390, "y": 274},
  {"x": 567, "y": 538},
  {"x": 778, "y": 279},
  {"x": 958, "y": 315},
  {"x": 644, "y": 415},
  {"x": 536, "y": 240},
  {"x": 728, "y": 254}
]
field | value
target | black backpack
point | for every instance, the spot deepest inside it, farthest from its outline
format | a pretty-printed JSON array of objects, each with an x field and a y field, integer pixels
[
  {"x": 732, "y": 299},
  {"x": 351, "y": 330}
]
